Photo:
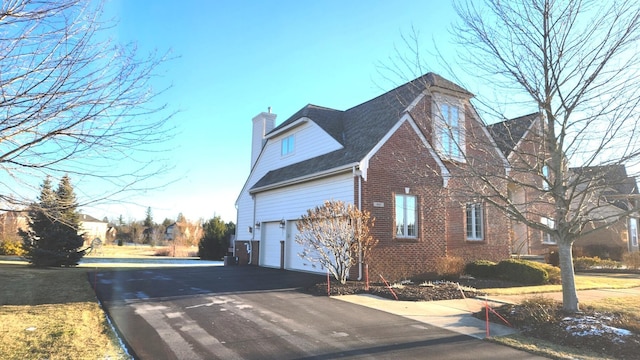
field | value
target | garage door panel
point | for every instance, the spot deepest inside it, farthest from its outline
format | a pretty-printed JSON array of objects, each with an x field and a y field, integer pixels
[
  {"x": 270, "y": 252},
  {"x": 293, "y": 261}
]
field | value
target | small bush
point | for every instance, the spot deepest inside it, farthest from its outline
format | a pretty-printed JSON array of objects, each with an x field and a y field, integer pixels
[
  {"x": 553, "y": 258},
  {"x": 610, "y": 264},
  {"x": 8, "y": 247},
  {"x": 521, "y": 271},
  {"x": 553, "y": 272},
  {"x": 449, "y": 267},
  {"x": 586, "y": 263},
  {"x": 481, "y": 269},
  {"x": 631, "y": 260}
]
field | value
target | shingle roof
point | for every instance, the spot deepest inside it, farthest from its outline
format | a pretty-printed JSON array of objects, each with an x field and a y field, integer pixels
[
  {"x": 358, "y": 129},
  {"x": 508, "y": 133},
  {"x": 613, "y": 178}
]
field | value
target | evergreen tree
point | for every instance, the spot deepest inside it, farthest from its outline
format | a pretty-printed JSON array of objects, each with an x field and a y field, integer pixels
[
  {"x": 215, "y": 242},
  {"x": 52, "y": 238},
  {"x": 148, "y": 227}
]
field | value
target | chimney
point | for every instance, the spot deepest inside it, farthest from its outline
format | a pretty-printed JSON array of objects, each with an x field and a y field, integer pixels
[{"x": 263, "y": 123}]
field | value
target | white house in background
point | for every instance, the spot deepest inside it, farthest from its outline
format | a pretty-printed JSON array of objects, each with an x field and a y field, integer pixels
[{"x": 92, "y": 228}]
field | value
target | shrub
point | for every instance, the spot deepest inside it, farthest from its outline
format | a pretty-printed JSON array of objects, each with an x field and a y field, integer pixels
[
  {"x": 8, "y": 247},
  {"x": 610, "y": 264},
  {"x": 585, "y": 263},
  {"x": 631, "y": 260},
  {"x": 554, "y": 273},
  {"x": 553, "y": 258},
  {"x": 481, "y": 269},
  {"x": 521, "y": 271},
  {"x": 449, "y": 267},
  {"x": 604, "y": 251}
]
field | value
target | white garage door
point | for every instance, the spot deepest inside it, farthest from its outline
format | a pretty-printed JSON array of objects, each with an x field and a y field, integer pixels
[
  {"x": 293, "y": 261},
  {"x": 270, "y": 239}
]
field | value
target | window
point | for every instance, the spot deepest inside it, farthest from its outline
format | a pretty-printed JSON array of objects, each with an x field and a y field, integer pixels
[
  {"x": 406, "y": 216},
  {"x": 287, "y": 145},
  {"x": 545, "y": 177},
  {"x": 547, "y": 238},
  {"x": 450, "y": 132},
  {"x": 475, "y": 224},
  {"x": 633, "y": 231}
]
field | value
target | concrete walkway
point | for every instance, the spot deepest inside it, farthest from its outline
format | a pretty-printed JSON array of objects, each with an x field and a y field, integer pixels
[{"x": 455, "y": 315}]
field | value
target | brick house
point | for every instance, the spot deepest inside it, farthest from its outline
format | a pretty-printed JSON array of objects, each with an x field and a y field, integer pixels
[
  {"x": 394, "y": 156},
  {"x": 616, "y": 212},
  {"x": 521, "y": 140},
  {"x": 613, "y": 195}
]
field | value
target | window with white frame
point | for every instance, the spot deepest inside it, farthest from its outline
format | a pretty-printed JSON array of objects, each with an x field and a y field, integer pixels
[
  {"x": 287, "y": 145},
  {"x": 475, "y": 221},
  {"x": 406, "y": 216},
  {"x": 547, "y": 238},
  {"x": 449, "y": 132},
  {"x": 633, "y": 231},
  {"x": 545, "y": 177}
]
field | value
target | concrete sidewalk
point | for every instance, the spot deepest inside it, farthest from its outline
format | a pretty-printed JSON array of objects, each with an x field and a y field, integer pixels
[{"x": 455, "y": 315}]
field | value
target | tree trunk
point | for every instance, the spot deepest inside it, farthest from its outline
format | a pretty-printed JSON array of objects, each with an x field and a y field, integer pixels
[{"x": 569, "y": 294}]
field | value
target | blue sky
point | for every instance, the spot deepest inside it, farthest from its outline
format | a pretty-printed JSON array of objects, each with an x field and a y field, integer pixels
[{"x": 234, "y": 59}]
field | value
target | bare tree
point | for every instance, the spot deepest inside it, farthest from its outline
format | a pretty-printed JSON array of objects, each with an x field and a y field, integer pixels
[
  {"x": 73, "y": 102},
  {"x": 574, "y": 65},
  {"x": 332, "y": 234}
]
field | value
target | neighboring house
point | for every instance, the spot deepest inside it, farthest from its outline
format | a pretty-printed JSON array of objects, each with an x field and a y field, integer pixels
[
  {"x": 92, "y": 228},
  {"x": 521, "y": 140},
  {"x": 610, "y": 201},
  {"x": 614, "y": 204},
  {"x": 391, "y": 156},
  {"x": 170, "y": 232},
  {"x": 10, "y": 223}
]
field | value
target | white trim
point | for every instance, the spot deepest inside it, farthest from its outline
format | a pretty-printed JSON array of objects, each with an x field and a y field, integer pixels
[
  {"x": 295, "y": 124},
  {"x": 406, "y": 117},
  {"x": 301, "y": 179}
]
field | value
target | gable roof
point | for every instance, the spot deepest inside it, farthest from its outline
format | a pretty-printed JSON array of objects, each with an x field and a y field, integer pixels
[
  {"x": 357, "y": 129},
  {"x": 613, "y": 179},
  {"x": 89, "y": 218},
  {"x": 508, "y": 133}
]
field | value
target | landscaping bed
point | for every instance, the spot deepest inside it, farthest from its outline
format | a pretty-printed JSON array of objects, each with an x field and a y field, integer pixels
[{"x": 611, "y": 333}]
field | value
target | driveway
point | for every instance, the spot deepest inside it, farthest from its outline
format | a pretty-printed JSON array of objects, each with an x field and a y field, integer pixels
[{"x": 257, "y": 313}]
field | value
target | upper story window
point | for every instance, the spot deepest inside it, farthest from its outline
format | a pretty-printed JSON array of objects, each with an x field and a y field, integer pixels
[
  {"x": 545, "y": 177},
  {"x": 449, "y": 130},
  {"x": 406, "y": 215},
  {"x": 475, "y": 221},
  {"x": 287, "y": 145}
]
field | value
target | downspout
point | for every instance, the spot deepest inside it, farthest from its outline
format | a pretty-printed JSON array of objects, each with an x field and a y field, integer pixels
[
  {"x": 358, "y": 173},
  {"x": 253, "y": 233}
]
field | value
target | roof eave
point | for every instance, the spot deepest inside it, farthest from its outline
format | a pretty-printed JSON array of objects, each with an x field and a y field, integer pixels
[{"x": 302, "y": 179}]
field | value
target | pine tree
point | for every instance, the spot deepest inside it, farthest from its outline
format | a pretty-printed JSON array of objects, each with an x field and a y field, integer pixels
[{"x": 52, "y": 238}]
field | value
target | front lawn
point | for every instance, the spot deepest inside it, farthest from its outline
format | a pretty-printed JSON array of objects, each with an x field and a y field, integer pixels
[{"x": 52, "y": 314}]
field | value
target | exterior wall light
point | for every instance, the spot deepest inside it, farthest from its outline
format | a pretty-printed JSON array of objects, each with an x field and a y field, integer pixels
[{"x": 282, "y": 223}]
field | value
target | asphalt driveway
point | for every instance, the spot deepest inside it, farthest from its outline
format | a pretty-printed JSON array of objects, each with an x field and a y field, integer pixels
[{"x": 257, "y": 313}]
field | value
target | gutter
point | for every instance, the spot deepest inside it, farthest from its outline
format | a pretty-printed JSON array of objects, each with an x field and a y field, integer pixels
[{"x": 314, "y": 176}]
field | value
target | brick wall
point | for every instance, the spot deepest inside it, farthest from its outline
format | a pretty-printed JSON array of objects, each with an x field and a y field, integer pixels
[{"x": 404, "y": 162}]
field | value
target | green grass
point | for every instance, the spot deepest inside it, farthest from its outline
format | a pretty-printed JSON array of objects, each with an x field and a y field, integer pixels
[{"x": 52, "y": 314}]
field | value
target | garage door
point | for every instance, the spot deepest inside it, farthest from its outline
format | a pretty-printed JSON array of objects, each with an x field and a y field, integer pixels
[
  {"x": 270, "y": 239},
  {"x": 291, "y": 250}
]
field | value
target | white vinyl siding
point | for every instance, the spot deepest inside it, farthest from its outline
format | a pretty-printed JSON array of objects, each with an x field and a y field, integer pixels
[{"x": 311, "y": 141}]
